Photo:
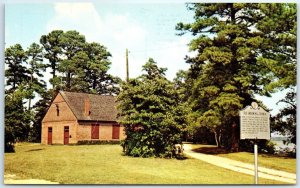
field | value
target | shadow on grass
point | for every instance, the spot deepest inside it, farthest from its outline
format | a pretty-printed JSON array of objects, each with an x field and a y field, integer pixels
[
  {"x": 211, "y": 150},
  {"x": 39, "y": 149},
  {"x": 181, "y": 157}
]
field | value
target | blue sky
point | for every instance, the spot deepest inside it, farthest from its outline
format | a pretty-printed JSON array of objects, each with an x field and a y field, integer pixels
[{"x": 146, "y": 29}]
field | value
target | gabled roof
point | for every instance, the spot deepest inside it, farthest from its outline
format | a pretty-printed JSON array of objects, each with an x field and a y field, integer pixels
[{"x": 102, "y": 107}]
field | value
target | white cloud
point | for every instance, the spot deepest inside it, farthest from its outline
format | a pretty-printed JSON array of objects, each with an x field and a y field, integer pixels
[
  {"x": 82, "y": 17},
  {"x": 125, "y": 31},
  {"x": 116, "y": 32},
  {"x": 174, "y": 56}
]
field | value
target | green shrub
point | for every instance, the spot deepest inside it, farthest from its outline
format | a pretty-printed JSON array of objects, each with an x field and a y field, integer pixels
[{"x": 97, "y": 142}]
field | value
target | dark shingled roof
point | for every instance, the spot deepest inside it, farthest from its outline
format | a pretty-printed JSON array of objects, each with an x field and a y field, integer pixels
[{"x": 102, "y": 107}]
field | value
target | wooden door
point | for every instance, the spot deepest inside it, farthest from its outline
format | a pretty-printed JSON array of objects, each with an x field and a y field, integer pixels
[
  {"x": 66, "y": 135},
  {"x": 95, "y": 131},
  {"x": 49, "y": 135},
  {"x": 116, "y": 131}
]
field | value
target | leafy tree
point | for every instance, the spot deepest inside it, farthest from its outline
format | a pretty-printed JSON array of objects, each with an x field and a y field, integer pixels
[
  {"x": 182, "y": 86},
  {"x": 230, "y": 65},
  {"x": 40, "y": 110},
  {"x": 151, "y": 113},
  {"x": 53, "y": 52},
  {"x": 285, "y": 121},
  {"x": 16, "y": 73},
  {"x": 17, "y": 118}
]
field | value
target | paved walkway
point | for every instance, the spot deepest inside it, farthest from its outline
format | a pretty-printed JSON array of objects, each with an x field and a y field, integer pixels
[
  {"x": 241, "y": 167},
  {"x": 11, "y": 179}
]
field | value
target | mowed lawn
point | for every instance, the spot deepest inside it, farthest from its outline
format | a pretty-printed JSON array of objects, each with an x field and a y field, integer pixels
[
  {"x": 287, "y": 164},
  {"x": 105, "y": 164},
  {"x": 270, "y": 161}
]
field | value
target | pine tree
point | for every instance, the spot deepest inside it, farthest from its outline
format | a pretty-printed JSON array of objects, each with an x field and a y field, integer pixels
[
  {"x": 94, "y": 72},
  {"x": 230, "y": 66},
  {"x": 71, "y": 43},
  {"x": 36, "y": 70},
  {"x": 40, "y": 110},
  {"x": 16, "y": 72},
  {"x": 53, "y": 52}
]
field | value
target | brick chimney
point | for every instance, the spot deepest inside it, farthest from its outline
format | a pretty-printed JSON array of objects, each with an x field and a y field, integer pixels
[{"x": 87, "y": 107}]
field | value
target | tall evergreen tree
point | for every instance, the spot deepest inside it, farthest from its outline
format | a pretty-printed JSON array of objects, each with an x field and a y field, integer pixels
[
  {"x": 53, "y": 52},
  {"x": 72, "y": 44},
  {"x": 227, "y": 71},
  {"x": 92, "y": 73},
  {"x": 16, "y": 72},
  {"x": 278, "y": 55},
  {"x": 36, "y": 71},
  {"x": 40, "y": 110}
]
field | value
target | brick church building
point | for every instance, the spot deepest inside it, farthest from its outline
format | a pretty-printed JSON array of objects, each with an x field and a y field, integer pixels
[{"x": 74, "y": 117}]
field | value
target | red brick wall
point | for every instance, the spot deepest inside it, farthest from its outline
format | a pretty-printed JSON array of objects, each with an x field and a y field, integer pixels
[
  {"x": 67, "y": 118},
  {"x": 65, "y": 113},
  {"x": 105, "y": 131},
  {"x": 58, "y": 132}
]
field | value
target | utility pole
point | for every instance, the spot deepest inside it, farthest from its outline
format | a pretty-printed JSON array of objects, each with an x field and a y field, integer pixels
[{"x": 127, "y": 68}]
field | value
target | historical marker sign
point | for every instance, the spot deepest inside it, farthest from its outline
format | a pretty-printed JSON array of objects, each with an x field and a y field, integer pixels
[{"x": 255, "y": 123}]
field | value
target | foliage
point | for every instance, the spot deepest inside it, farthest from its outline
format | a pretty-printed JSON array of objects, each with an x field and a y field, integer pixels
[
  {"x": 40, "y": 109},
  {"x": 75, "y": 66},
  {"x": 201, "y": 135},
  {"x": 50, "y": 43},
  {"x": 78, "y": 65},
  {"x": 236, "y": 58},
  {"x": 285, "y": 121},
  {"x": 151, "y": 113},
  {"x": 278, "y": 57},
  {"x": 98, "y": 142},
  {"x": 36, "y": 67},
  {"x": 264, "y": 146},
  {"x": 16, "y": 73},
  {"x": 17, "y": 119}
]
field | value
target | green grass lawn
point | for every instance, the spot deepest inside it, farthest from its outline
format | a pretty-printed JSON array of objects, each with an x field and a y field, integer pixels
[
  {"x": 265, "y": 160},
  {"x": 104, "y": 164}
]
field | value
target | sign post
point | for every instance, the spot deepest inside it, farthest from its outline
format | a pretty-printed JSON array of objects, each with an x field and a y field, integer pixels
[
  {"x": 256, "y": 162},
  {"x": 255, "y": 124}
]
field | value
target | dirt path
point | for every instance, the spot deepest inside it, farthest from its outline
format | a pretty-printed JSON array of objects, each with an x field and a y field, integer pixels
[
  {"x": 12, "y": 179},
  {"x": 241, "y": 167}
]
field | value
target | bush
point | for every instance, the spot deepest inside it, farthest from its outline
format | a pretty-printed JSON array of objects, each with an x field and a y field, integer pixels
[
  {"x": 9, "y": 147},
  {"x": 9, "y": 140},
  {"x": 264, "y": 146},
  {"x": 97, "y": 142}
]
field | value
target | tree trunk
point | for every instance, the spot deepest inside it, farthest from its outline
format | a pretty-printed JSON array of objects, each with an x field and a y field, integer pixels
[
  {"x": 234, "y": 138},
  {"x": 68, "y": 84},
  {"x": 94, "y": 82},
  {"x": 53, "y": 73},
  {"x": 218, "y": 136},
  {"x": 29, "y": 101}
]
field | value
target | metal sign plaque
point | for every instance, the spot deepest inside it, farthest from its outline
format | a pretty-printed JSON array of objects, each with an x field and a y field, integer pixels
[{"x": 255, "y": 123}]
